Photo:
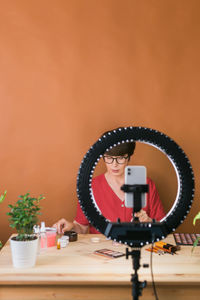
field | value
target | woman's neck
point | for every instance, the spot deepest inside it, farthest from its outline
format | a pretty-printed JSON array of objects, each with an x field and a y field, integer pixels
[
  {"x": 118, "y": 180},
  {"x": 115, "y": 182}
]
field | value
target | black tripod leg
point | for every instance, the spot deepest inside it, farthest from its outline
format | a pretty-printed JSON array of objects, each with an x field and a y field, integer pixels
[{"x": 137, "y": 286}]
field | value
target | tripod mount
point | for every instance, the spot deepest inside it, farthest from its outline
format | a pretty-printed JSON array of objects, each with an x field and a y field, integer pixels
[
  {"x": 136, "y": 190},
  {"x": 135, "y": 253}
]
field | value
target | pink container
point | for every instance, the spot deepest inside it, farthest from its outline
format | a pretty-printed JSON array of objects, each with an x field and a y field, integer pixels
[
  {"x": 43, "y": 241},
  {"x": 51, "y": 236}
]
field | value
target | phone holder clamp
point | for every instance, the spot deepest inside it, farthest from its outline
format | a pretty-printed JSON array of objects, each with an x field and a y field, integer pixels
[{"x": 136, "y": 190}]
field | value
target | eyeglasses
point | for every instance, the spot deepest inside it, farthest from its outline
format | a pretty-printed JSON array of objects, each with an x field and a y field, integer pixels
[{"x": 119, "y": 159}]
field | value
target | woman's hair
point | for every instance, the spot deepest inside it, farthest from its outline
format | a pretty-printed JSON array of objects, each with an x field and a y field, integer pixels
[{"x": 121, "y": 149}]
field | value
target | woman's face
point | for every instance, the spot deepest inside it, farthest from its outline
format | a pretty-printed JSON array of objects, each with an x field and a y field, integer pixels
[{"x": 115, "y": 165}]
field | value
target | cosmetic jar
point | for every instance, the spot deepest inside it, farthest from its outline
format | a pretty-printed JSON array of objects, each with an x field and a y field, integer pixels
[
  {"x": 73, "y": 236},
  {"x": 64, "y": 241}
]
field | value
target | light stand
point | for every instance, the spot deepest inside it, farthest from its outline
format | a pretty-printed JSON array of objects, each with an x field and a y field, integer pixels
[
  {"x": 136, "y": 190},
  {"x": 137, "y": 286},
  {"x": 136, "y": 234}
]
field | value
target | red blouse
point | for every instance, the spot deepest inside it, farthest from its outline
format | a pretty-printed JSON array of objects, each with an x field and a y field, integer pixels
[{"x": 113, "y": 208}]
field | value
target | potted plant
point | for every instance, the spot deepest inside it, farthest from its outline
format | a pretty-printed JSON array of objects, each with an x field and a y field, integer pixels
[
  {"x": 197, "y": 217},
  {"x": 2, "y": 197},
  {"x": 23, "y": 216}
]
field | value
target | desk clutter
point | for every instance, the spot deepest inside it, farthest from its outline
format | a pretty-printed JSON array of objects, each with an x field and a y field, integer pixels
[
  {"x": 186, "y": 239},
  {"x": 46, "y": 235},
  {"x": 62, "y": 242},
  {"x": 163, "y": 248},
  {"x": 69, "y": 236}
]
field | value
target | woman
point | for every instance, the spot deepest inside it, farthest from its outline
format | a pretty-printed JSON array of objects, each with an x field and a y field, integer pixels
[{"x": 110, "y": 198}]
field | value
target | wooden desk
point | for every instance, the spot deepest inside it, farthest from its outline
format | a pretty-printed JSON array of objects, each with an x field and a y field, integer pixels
[{"x": 75, "y": 272}]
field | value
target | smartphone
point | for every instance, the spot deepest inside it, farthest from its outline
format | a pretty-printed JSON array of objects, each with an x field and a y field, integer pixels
[{"x": 135, "y": 175}]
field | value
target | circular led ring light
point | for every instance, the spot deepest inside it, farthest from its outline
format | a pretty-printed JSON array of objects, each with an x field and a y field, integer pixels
[{"x": 175, "y": 154}]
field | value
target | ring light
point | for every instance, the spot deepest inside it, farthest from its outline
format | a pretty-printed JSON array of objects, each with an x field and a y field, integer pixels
[{"x": 185, "y": 179}]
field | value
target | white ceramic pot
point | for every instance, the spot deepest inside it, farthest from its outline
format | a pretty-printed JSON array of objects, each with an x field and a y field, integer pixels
[{"x": 24, "y": 253}]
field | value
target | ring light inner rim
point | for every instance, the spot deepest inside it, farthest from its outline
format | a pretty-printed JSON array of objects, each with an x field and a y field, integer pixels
[{"x": 177, "y": 177}]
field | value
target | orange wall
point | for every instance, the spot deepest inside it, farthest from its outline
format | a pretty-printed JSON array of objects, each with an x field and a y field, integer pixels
[{"x": 70, "y": 70}]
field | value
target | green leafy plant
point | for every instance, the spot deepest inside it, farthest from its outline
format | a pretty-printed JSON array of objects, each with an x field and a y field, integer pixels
[
  {"x": 24, "y": 215},
  {"x": 2, "y": 197},
  {"x": 197, "y": 217}
]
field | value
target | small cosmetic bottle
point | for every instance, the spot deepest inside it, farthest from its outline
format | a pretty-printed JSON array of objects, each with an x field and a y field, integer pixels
[
  {"x": 43, "y": 237},
  {"x": 36, "y": 229},
  {"x": 58, "y": 244}
]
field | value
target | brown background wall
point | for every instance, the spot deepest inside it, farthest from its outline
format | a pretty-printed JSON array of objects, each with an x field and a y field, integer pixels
[{"x": 70, "y": 70}]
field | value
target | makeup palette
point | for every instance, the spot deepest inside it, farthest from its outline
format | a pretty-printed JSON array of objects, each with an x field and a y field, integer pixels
[{"x": 186, "y": 239}]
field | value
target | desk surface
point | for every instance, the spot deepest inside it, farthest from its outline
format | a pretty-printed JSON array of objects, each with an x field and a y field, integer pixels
[
  {"x": 77, "y": 262},
  {"x": 77, "y": 265}
]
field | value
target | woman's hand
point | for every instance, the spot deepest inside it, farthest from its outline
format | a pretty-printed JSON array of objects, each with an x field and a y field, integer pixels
[
  {"x": 63, "y": 225},
  {"x": 143, "y": 217}
]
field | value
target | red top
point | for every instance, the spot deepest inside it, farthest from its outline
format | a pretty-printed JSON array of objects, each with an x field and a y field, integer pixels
[{"x": 113, "y": 208}]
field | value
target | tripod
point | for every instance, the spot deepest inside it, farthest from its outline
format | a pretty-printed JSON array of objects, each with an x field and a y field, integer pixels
[
  {"x": 135, "y": 253},
  {"x": 137, "y": 286}
]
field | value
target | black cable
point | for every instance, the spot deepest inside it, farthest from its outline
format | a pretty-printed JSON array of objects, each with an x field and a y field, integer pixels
[{"x": 151, "y": 266}]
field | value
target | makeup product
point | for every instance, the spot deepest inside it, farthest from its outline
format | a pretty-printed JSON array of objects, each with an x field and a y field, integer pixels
[
  {"x": 43, "y": 237},
  {"x": 64, "y": 241},
  {"x": 58, "y": 244},
  {"x": 109, "y": 253},
  {"x": 51, "y": 236},
  {"x": 186, "y": 239},
  {"x": 162, "y": 248},
  {"x": 169, "y": 248},
  {"x": 155, "y": 250},
  {"x": 36, "y": 229},
  {"x": 73, "y": 236},
  {"x": 95, "y": 239}
]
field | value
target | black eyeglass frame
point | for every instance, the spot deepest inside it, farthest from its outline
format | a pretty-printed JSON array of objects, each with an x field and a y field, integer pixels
[{"x": 115, "y": 158}]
